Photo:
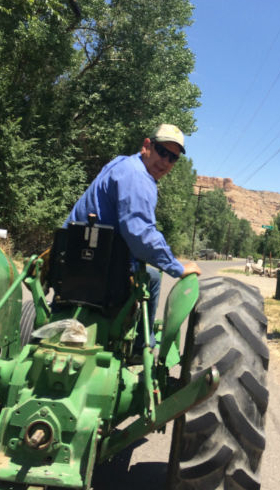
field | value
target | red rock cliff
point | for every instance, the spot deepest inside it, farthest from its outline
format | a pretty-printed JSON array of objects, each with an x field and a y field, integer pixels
[{"x": 258, "y": 207}]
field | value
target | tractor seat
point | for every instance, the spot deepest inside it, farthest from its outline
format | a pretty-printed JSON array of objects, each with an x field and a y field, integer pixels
[{"x": 89, "y": 265}]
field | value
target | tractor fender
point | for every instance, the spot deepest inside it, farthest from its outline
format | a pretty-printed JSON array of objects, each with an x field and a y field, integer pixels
[{"x": 179, "y": 304}]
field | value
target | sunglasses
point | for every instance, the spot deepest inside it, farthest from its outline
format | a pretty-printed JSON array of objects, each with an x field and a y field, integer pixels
[{"x": 164, "y": 152}]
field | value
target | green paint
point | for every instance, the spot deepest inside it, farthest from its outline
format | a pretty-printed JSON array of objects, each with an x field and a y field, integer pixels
[{"x": 60, "y": 401}]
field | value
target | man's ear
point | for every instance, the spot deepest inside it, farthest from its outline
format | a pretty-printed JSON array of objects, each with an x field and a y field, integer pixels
[
  {"x": 145, "y": 146},
  {"x": 146, "y": 142}
]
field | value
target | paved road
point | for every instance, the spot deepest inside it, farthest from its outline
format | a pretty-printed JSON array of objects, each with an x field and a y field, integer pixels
[
  {"x": 270, "y": 465},
  {"x": 144, "y": 465}
]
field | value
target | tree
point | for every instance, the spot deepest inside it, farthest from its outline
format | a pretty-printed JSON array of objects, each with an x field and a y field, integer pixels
[
  {"x": 39, "y": 162},
  {"x": 214, "y": 217},
  {"x": 74, "y": 95},
  {"x": 175, "y": 210},
  {"x": 134, "y": 74},
  {"x": 244, "y": 238},
  {"x": 32, "y": 203},
  {"x": 271, "y": 238},
  {"x": 221, "y": 228}
]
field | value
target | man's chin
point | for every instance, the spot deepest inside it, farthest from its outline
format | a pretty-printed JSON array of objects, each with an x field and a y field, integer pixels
[{"x": 158, "y": 175}]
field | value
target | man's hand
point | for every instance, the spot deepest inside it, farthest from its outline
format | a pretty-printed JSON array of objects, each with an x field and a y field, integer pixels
[{"x": 190, "y": 268}]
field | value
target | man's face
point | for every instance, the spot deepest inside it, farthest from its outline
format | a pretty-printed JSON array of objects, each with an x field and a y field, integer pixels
[{"x": 157, "y": 165}]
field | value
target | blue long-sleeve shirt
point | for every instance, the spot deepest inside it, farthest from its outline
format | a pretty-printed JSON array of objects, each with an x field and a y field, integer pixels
[{"x": 124, "y": 195}]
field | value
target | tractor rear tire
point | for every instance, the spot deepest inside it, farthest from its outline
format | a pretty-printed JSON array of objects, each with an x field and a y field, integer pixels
[
  {"x": 219, "y": 443},
  {"x": 28, "y": 315}
]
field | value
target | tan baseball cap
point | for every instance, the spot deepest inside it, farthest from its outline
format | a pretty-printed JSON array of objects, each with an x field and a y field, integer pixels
[{"x": 169, "y": 132}]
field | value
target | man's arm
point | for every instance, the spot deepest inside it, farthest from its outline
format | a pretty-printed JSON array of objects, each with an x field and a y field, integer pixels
[{"x": 136, "y": 197}]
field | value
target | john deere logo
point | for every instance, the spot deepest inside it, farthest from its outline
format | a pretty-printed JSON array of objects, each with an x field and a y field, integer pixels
[{"x": 87, "y": 254}]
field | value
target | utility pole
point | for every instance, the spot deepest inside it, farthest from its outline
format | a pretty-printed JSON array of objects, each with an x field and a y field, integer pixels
[
  {"x": 228, "y": 240},
  {"x": 199, "y": 196},
  {"x": 268, "y": 229}
]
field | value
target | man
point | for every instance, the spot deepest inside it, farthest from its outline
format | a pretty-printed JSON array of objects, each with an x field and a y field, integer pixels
[{"x": 124, "y": 195}]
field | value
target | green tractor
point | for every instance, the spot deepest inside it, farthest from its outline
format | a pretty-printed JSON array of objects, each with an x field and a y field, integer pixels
[{"x": 67, "y": 378}]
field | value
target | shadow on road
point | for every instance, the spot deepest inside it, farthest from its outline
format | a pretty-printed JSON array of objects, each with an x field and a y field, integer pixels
[{"x": 118, "y": 475}]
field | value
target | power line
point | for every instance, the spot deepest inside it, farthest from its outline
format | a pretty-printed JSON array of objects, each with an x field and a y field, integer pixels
[
  {"x": 263, "y": 164},
  {"x": 255, "y": 77},
  {"x": 242, "y": 132},
  {"x": 268, "y": 132},
  {"x": 259, "y": 154}
]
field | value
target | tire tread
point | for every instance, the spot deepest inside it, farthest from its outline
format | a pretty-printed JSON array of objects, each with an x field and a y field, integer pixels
[{"x": 229, "y": 330}]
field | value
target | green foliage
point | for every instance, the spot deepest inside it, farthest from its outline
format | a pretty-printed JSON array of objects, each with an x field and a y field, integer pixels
[
  {"x": 213, "y": 219},
  {"x": 74, "y": 94},
  {"x": 35, "y": 190},
  {"x": 175, "y": 210},
  {"x": 135, "y": 73},
  {"x": 243, "y": 238},
  {"x": 270, "y": 240},
  {"x": 220, "y": 227}
]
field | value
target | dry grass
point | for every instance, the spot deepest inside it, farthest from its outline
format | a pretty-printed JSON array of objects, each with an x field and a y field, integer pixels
[
  {"x": 272, "y": 311},
  {"x": 240, "y": 270},
  {"x": 7, "y": 247}
]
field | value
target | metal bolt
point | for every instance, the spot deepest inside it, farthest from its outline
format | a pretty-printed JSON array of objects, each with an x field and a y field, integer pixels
[{"x": 37, "y": 438}]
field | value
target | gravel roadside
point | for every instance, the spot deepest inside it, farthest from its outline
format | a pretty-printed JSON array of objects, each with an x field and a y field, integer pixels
[{"x": 266, "y": 285}]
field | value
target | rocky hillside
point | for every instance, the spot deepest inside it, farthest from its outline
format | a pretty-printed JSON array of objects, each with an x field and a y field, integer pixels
[{"x": 258, "y": 207}]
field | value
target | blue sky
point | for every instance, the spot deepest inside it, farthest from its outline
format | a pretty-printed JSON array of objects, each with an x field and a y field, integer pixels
[{"x": 236, "y": 44}]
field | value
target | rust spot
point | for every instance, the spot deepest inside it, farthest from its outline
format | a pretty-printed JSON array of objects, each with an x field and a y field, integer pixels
[
  {"x": 10, "y": 268},
  {"x": 4, "y": 460}
]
